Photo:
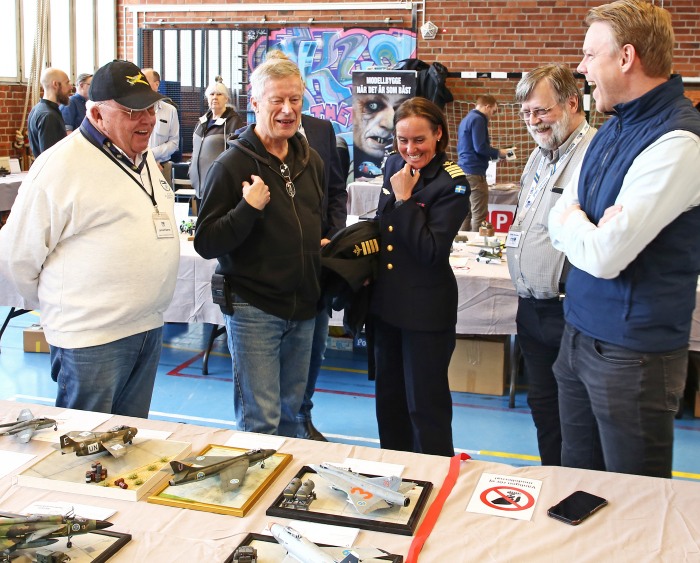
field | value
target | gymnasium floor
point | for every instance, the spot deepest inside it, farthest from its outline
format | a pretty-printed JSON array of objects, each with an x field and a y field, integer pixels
[{"x": 484, "y": 426}]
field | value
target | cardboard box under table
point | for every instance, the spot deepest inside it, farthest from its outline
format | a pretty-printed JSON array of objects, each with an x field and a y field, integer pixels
[
  {"x": 478, "y": 365},
  {"x": 34, "y": 340}
]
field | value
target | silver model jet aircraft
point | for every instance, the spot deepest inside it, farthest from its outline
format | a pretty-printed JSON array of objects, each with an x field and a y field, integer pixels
[
  {"x": 232, "y": 470},
  {"x": 304, "y": 551},
  {"x": 366, "y": 493},
  {"x": 26, "y": 425},
  {"x": 87, "y": 443}
]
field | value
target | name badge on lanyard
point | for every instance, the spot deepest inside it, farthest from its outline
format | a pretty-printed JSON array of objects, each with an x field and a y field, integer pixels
[
  {"x": 513, "y": 239},
  {"x": 164, "y": 229}
]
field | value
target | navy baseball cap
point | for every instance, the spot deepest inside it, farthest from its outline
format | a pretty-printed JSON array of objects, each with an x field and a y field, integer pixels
[{"x": 123, "y": 82}]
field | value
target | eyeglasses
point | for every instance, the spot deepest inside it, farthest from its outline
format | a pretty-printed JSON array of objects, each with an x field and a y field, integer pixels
[
  {"x": 291, "y": 190},
  {"x": 539, "y": 112},
  {"x": 134, "y": 114}
]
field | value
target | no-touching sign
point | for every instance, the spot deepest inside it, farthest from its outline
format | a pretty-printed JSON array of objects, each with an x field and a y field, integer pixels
[{"x": 505, "y": 495}]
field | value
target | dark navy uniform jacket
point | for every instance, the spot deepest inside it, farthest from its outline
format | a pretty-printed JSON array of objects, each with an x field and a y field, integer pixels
[{"x": 416, "y": 288}]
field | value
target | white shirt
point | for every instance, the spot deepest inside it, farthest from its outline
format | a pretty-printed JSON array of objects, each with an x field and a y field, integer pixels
[
  {"x": 165, "y": 139},
  {"x": 662, "y": 183}
]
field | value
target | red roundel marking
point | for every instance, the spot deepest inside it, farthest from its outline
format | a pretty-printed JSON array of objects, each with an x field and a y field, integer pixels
[
  {"x": 525, "y": 502},
  {"x": 361, "y": 492}
]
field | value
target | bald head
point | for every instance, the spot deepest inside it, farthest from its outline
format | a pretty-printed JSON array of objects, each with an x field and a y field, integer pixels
[
  {"x": 56, "y": 85},
  {"x": 153, "y": 78}
]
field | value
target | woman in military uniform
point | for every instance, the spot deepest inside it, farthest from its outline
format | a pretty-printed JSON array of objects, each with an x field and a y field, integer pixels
[{"x": 423, "y": 202}]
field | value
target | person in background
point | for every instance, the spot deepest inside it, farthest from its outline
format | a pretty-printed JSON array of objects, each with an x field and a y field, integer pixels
[
  {"x": 261, "y": 218},
  {"x": 45, "y": 125},
  {"x": 165, "y": 139},
  {"x": 91, "y": 239},
  {"x": 631, "y": 291},
  {"x": 475, "y": 152},
  {"x": 211, "y": 134},
  {"x": 552, "y": 108},
  {"x": 423, "y": 201},
  {"x": 74, "y": 112}
]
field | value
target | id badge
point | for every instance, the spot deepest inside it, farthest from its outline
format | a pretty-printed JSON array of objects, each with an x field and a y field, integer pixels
[
  {"x": 164, "y": 229},
  {"x": 513, "y": 239}
]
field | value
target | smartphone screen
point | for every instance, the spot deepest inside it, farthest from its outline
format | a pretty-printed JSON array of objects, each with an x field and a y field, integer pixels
[{"x": 575, "y": 508}]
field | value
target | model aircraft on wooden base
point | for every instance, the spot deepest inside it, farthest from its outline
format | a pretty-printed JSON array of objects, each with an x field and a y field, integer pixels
[{"x": 87, "y": 443}]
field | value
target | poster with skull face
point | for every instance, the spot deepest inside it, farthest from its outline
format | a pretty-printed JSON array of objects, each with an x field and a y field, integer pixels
[{"x": 376, "y": 95}]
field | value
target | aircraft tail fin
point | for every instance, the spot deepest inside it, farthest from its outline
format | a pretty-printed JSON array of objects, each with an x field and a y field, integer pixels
[
  {"x": 67, "y": 442},
  {"x": 351, "y": 558},
  {"x": 179, "y": 467}
]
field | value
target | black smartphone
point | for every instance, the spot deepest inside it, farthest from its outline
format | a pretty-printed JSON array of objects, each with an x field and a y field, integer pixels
[{"x": 575, "y": 508}]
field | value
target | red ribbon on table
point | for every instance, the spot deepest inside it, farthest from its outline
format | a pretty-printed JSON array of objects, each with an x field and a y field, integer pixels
[{"x": 434, "y": 511}]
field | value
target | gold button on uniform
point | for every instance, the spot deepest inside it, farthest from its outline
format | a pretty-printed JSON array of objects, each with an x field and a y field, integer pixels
[
  {"x": 391, "y": 228},
  {"x": 390, "y": 248},
  {"x": 390, "y": 266}
]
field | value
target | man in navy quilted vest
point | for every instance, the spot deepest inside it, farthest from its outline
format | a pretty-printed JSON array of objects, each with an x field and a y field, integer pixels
[{"x": 629, "y": 222}]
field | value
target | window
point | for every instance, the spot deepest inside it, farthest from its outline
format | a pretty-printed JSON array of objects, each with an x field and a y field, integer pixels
[{"x": 81, "y": 36}]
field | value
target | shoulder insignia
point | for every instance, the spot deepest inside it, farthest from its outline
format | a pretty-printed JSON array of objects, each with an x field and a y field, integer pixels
[
  {"x": 460, "y": 189},
  {"x": 453, "y": 169},
  {"x": 385, "y": 191},
  {"x": 366, "y": 247},
  {"x": 393, "y": 152}
]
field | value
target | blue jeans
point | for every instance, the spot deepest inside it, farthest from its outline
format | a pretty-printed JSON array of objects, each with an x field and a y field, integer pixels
[
  {"x": 270, "y": 368},
  {"x": 318, "y": 349},
  {"x": 617, "y": 406},
  {"x": 117, "y": 377}
]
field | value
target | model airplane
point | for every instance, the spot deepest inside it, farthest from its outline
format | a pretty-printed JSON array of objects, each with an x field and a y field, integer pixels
[
  {"x": 232, "y": 470},
  {"x": 88, "y": 443},
  {"x": 26, "y": 425},
  {"x": 25, "y": 532},
  {"x": 300, "y": 549},
  {"x": 366, "y": 493}
]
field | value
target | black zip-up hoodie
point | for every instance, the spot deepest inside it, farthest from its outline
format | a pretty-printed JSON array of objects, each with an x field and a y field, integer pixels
[{"x": 271, "y": 258}]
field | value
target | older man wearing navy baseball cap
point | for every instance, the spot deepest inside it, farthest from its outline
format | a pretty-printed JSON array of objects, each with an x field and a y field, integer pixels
[{"x": 92, "y": 242}]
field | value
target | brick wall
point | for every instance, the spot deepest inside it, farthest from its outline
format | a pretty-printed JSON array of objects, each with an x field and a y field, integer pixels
[{"x": 11, "y": 106}]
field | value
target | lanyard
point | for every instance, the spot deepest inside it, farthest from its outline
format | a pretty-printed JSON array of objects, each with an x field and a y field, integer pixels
[
  {"x": 129, "y": 174},
  {"x": 535, "y": 189}
]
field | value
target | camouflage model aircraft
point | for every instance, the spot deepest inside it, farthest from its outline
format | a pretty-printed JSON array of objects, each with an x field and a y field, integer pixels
[
  {"x": 27, "y": 532},
  {"x": 26, "y": 425},
  {"x": 88, "y": 443},
  {"x": 232, "y": 470}
]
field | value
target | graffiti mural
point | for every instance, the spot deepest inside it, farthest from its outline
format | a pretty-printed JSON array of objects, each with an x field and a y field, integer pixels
[{"x": 327, "y": 57}]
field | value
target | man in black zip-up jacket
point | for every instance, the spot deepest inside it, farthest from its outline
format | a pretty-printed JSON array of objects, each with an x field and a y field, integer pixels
[{"x": 261, "y": 218}]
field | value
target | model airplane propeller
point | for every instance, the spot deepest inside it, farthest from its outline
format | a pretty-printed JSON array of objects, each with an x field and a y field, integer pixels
[
  {"x": 26, "y": 425},
  {"x": 232, "y": 470},
  {"x": 366, "y": 493}
]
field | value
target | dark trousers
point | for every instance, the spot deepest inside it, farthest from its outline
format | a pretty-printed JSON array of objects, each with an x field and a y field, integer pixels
[
  {"x": 540, "y": 327},
  {"x": 618, "y": 405},
  {"x": 414, "y": 404}
]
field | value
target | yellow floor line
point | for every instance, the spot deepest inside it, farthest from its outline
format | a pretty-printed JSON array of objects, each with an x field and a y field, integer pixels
[
  {"x": 346, "y": 369},
  {"x": 514, "y": 456},
  {"x": 686, "y": 475}
]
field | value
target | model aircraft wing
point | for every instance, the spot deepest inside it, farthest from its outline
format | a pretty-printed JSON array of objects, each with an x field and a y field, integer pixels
[
  {"x": 25, "y": 414},
  {"x": 364, "y": 504},
  {"x": 339, "y": 482},
  {"x": 25, "y": 434},
  {"x": 204, "y": 461},
  {"x": 388, "y": 482},
  {"x": 232, "y": 476},
  {"x": 43, "y": 532},
  {"x": 7, "y": 543},
  {"x": 115, "y": 446}
]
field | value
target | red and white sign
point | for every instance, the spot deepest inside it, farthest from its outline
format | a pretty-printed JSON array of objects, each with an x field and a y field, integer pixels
[
  {"x": 505, "y": 495},
  {"x": 501, "y": 216}
]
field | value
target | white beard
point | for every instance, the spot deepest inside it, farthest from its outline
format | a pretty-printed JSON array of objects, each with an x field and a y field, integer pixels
[{"x": 560, "y": 132}]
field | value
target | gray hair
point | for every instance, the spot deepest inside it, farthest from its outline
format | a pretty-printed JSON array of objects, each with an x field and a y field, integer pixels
[
  {"x": 273, "y": 68},
  {"x": 219, "y": 87},
  {"x": 83, "y": 78},
  {"x": 559, "y": 77}
]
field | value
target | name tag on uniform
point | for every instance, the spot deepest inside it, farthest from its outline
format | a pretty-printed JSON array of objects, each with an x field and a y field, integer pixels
[
  {"x": 513, "y": 239},
  {"x": 164, "y": 229}
]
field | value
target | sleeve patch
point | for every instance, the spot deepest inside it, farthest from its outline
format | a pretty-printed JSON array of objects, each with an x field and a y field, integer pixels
[{"x": 461, "y": 190}]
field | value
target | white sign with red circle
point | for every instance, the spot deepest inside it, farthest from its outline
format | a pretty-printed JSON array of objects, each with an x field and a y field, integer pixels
[{"x": 505, "y": 495}]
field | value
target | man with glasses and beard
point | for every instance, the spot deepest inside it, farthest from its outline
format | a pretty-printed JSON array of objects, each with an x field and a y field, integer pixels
[
  {"x": 91, "y": 239},
  {"x": 261, "y": 218},
  {"x": 552, "y": 108},
  {"x": 45, "y": 125}
]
